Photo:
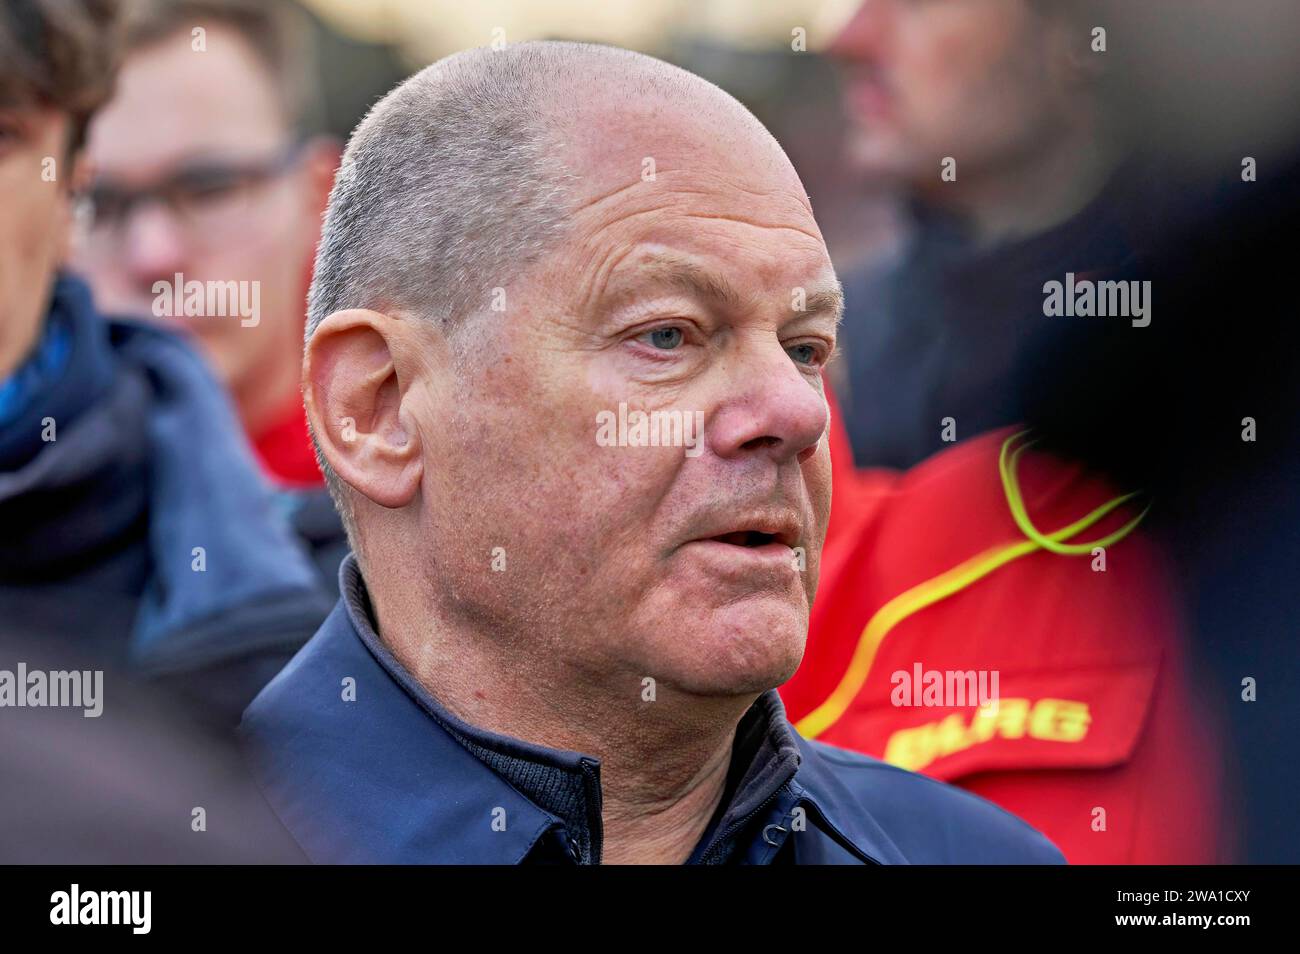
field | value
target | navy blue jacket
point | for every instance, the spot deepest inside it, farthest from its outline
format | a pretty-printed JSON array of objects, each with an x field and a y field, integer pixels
[
  {"x": 138, "y": 531},
  {"x": 393, "y": 777}
]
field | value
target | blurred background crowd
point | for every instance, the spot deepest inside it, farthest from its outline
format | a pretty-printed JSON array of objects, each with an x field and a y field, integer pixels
[{"x": 1101, "y": 508}]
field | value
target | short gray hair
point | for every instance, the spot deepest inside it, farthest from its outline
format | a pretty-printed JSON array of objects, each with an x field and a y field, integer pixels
[
  {"x": 447, "y": 189},
  {"x": 453, "y": 184}
]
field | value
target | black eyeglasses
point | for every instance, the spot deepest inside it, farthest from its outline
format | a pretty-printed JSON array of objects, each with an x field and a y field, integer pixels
[{"x": 209, "y": 198}]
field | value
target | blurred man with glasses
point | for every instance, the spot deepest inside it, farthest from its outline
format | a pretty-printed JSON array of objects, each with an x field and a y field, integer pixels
[{"x": 204, "y": 167}]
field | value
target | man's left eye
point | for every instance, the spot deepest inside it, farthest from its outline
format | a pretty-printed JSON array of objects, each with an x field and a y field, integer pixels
[
  {"x": 803, "y": 353},
  {"x": 665, "y": 339}
]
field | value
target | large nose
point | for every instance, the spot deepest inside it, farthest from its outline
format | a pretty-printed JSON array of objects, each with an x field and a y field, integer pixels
[
  {"x": 153, "y": 246},
  {"x": 772, "y": 408},
  {"x": 866, "y": 32}
]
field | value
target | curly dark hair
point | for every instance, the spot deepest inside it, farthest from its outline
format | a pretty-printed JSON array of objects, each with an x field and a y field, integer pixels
[{"x": 60, "y": 53}]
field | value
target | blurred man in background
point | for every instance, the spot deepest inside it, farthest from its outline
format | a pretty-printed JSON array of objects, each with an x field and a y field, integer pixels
[
  {"x": 205, "y": 166},
  {"x": 209, "y": 165},
  {"x": 137, "y": 528},
  {"x": 989, "y": 118}
]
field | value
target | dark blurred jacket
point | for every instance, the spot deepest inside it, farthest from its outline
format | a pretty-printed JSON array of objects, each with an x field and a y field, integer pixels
[
  {"x": 1165, "y": 408},
  {"x": 137, "y": 528},
  {"x": 138, "y": 784},
  {"x": 938, "y": 330}
]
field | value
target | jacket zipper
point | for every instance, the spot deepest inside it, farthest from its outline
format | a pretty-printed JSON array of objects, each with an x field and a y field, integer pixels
[
  {"x": 594, "y": 794},
  {"x": 722, "y": 839}
]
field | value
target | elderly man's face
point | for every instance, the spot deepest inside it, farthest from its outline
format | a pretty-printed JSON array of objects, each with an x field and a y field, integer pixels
[{"x": 701, "y": 294}]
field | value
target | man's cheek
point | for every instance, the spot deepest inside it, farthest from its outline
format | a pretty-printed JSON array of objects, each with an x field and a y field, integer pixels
[
  {"x": 818, "y": 478},
  {"x": 811, "y": 572}
]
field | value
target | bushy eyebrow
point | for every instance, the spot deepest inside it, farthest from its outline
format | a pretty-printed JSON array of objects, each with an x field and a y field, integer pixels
[
  {"x": 829, "y": 301},
  {"x": 682, "y": 274}
]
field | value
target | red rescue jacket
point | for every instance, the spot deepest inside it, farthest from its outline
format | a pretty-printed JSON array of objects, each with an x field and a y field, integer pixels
[{"x": 1098, "y": 738}]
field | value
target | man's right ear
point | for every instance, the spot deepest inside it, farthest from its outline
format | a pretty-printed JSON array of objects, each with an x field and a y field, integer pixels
[{"x": 357, "y": 405}]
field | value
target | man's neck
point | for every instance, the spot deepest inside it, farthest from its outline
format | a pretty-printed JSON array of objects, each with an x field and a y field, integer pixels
[{"x": 664, "y": 764}]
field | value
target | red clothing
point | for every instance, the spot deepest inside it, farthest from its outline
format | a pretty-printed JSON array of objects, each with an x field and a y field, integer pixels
[
  {"x": 285, "y": 450},
  {"x": 1097, "y": 722}
]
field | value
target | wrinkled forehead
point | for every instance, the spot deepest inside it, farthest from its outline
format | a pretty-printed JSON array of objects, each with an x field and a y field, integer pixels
[
  {"x": 699, "y": 190},
  {"x": 685, "y": 197},
  {"x": 696, "y": 140}
]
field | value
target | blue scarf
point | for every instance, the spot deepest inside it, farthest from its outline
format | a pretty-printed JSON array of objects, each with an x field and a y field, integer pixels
[{"x": 146, "y": 452}]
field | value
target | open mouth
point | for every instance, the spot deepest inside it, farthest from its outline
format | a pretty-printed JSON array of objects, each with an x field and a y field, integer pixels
[
  {"x": 765, "y": 548},
  {"x": 747, "y": 538}
]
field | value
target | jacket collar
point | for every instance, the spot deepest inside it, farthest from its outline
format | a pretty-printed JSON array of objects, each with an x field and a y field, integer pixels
[
  {"x": 564, "y": 785},
  {"x": 363, "y": 764}
]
